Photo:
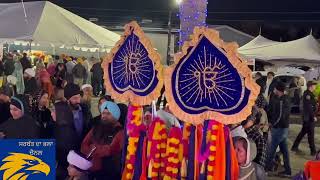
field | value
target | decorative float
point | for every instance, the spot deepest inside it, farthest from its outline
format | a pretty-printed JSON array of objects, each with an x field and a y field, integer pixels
[{"x": 208, "y": 87}]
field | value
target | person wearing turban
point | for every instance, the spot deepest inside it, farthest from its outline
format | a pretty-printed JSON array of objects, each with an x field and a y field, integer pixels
[{"x": 107, "y": 136}]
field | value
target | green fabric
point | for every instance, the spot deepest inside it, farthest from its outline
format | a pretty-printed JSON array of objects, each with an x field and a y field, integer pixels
[{"x": 18, "y": 73}]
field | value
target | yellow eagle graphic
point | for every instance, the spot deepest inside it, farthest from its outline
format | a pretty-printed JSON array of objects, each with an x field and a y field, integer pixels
[{"x": 18, "y": 166}]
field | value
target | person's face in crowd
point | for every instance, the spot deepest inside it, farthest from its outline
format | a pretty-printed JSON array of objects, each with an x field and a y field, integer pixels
[
  {"x": 277, "y": 92},
  {"x": 257, "y": 76},
  {"x": 4, "y": 98},
  {"x": 312, "y": 88},
  {"x": 87, "y": 91},
  {"x": 15, "y": 112},
  {"x": 167, "y": 109},
  {"x": 100, "y": 103},
  {"x": 241, "y": 153},
  {"x": 106, "y": 115},
  {"x": 270, "y": 76},
  {"x": 44, "y": 100},
  {"x": 72, "y": 171},
  {"x": 75, "y": 101},
  {"x": 26, "y": 76},
  {"x": 147, "y": 119},
  {"x": 60, "y": 67},
  {"x": 249, "y": 123},
  {"x": 318, "y": 156}
]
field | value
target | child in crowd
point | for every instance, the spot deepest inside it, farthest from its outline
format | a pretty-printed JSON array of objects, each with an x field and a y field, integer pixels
[
  {"x": 312, "y": 167},
  {"x": 78, "y": 166},
  {"x": 245, "y": 152}
]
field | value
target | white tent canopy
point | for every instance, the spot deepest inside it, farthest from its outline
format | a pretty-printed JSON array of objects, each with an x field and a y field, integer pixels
[
  {"x": 306, "y": 48},
  {"x": 49, "y": 24},
  {"x": 258, "y": 42}
]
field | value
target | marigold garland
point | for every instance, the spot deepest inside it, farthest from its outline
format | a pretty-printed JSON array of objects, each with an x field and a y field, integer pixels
[
  {"x": 211, "y": 142},
  {"x": 174, "y": 153},
  {"x": 156, "y": 148},
  {"x": 134, "y": 127},
  {"x": 185, "y": 141}
]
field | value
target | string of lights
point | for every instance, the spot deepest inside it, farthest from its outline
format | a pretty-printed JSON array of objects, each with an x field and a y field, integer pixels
[{"x": 192, "y": 13}]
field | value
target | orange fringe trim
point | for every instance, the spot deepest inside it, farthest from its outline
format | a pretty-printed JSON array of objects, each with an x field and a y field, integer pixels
[
  {"x": 231, "y": 52},
  {"x": 129, "y": 96}
]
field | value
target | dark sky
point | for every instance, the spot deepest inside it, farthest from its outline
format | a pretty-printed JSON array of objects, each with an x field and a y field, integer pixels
[{"x": 279, "y": 19}]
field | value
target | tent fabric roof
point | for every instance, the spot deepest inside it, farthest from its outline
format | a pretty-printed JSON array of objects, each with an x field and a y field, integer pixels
[
  {"x": 48, "y": 23},
  {"x": 258, "y": 42},
  {"x": 306, "y": 48},
  {"x": 230, "y": 34}
]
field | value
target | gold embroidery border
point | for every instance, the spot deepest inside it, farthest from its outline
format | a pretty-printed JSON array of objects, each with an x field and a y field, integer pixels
[
  {"x": 234, "y": 58},
  {"x": 129, "y": 96}
]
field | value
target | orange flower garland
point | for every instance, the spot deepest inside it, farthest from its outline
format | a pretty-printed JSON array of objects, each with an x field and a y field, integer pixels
[
  {"x": 174, "y": 153},
  {"x": 156, "y": 148},
  {"x": 212, "y": 138},
  {"x": 134, "y": 127},
  {"x": 185, "y": 141}
]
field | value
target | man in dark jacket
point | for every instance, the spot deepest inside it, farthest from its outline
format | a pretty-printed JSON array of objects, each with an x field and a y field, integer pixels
[
  {"x": 5, "y": 95},
  {"x": 97, "y": 78},
  {"x": 309, "y": 118},
  {"x": 25, "y": 62},
  {"x": 1, "y": 68},
  {"x": 278, "y": 113},
  {"x": 81, "y": 113},
  {"x": 79, "y": 74},
  {"x": 8, "y": 65},
  {"x": 31, "y": 87},
  {"x": 253, "y": 132}
]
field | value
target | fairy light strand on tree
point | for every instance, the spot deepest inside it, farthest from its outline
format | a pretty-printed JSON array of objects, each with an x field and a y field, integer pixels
[{"x": 192, "y": 13}]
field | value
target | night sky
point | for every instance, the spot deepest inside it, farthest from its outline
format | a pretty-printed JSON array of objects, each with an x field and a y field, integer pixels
[{"x": 279, "y": 19}]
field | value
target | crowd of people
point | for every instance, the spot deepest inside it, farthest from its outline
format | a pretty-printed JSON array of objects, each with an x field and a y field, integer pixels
[
  {"x": 52, "y": 100},
  {"x": 268, "y": 126}
]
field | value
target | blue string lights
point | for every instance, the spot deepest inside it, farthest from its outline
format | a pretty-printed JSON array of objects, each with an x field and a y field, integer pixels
[{"x": 192, "y": 13}]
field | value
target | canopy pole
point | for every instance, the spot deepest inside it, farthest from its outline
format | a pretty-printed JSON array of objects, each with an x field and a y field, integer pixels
[
  {"x": 260, "y": 30},
  {"x": 54, "y": 50},
  {"x": 99, "y": 53},
  {"x": 30, "y": 42},
  {"x": 25, "y": 12}
]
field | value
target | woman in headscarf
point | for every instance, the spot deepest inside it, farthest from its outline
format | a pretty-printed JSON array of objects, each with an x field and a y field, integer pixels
[
  {"x": 21, "y": 125},
  {"x": 65, "y": 134},
  {"x": 245, "y": 151},
  {"x": 18, "y": 73},
  {"x": 107, "y": 138}
]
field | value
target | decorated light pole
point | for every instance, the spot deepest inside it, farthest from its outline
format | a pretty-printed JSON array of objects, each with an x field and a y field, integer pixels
[{"x": 192, "y": 13}]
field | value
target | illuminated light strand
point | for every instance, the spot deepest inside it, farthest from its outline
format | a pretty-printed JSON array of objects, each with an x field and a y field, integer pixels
[{"x": 192, "y": 13}]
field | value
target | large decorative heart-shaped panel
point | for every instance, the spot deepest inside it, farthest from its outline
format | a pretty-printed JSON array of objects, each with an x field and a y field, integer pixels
[
  {"x": 132, "y": 69},
  {"x": 209, "y": 81}
]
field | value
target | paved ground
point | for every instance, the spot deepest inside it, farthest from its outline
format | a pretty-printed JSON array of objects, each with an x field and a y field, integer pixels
[{"x": 297, "y": 160}]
